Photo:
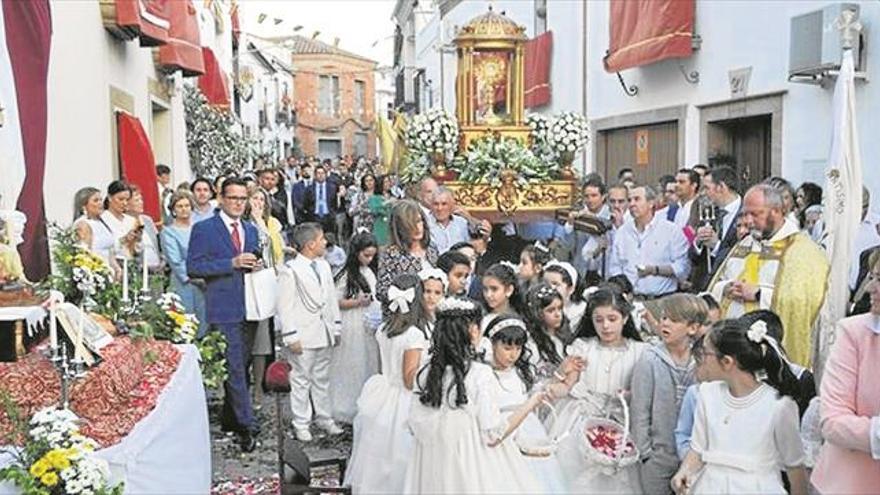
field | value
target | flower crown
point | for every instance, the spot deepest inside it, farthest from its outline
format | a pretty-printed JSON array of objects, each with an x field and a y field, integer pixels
[
  {"x": 546, "y": 291},
  {"x": 541, "y": 247},
  {"x": 513, "y": 267},
  {"x": 455, "y": 304}
]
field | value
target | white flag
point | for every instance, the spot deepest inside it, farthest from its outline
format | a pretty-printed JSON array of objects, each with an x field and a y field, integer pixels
[{"x": 842, "y": 207}]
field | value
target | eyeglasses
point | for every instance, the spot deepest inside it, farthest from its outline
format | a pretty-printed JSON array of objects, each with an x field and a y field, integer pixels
[{"x": 237, "y": 199}]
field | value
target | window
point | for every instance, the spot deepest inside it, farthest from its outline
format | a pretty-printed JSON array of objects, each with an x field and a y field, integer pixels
[
  {"x": 360, "y": 144},
  {"x": 328, "y": 96},
  {"x": 360, "y": 96}
]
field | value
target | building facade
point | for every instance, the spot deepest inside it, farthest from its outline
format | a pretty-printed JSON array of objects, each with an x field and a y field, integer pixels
[
  {"x": 334, "y": 98},
  {"x": 730, "y": 102}
]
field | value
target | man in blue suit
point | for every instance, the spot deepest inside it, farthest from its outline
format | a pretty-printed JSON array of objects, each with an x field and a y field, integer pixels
[
  {"x": 221, "y": 249},
  {"x": 298, "y": 193},
  {"x": 322, "y": 201}
]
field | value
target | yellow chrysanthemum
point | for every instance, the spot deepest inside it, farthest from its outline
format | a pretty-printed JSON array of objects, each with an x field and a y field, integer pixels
[
  {"x": 58, "y": 459},
  {"x": 49, "y": 479},
  {"x": 39, "y": 468}
]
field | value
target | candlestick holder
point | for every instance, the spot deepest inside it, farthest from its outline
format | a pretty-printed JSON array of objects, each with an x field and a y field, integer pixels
[{"x": 68, "y": 372}]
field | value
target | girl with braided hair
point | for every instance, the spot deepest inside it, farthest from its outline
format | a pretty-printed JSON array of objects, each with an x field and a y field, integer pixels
[{"x": 461, "y": 434}]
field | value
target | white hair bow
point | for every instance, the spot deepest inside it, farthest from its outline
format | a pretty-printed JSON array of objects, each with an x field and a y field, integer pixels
[
  {"x": 436, "y": 274},
  {"x": 757, "y": 333},
  {"x": 400, "y": 299},
  {"x": 510, "y": 265}
]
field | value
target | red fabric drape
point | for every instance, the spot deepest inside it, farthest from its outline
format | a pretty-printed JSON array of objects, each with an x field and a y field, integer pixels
[
  {"x": 647, "y": 31},
  {"x": 137, "y": 162},
  {"x": 154, "y": 22},
  {"x": 538, "y": 54},
  {"x": 213, "y": 83},
  {"x": 183, "y": 51},
  {"x": 144, "y": 18},
  {"x": 28, "y": 41}
]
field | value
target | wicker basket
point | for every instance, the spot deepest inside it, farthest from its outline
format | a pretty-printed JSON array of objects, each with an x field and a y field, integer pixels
[
  {"x": 543, "y": 449},
  {"x": 625, "y": 453}
]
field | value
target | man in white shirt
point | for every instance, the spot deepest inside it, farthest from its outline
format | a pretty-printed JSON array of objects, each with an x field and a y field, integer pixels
[
  {"x": 446, "y": 229},
  {"x": 687, "y": 184},
  {"x": 202, "y": 192},
  {"x": 719, "y": 237},
  {"x": 311, "y": 325},
  {"x": 649, "y": 250}
]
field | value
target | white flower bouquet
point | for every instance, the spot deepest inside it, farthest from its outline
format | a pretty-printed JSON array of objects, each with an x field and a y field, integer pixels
[
  {"x": 57, "y": 459},
  {"x": 568, "y": 133},
  {"x": 434, "y": 131}
]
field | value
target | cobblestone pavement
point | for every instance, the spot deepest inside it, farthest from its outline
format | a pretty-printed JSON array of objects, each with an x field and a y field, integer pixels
[{"x": 257, "y": 472}]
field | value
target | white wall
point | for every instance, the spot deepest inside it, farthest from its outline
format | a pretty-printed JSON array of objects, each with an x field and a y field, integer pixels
[
  {"x": 736, "y": 34},
  {"x": 85, "y": 61}
]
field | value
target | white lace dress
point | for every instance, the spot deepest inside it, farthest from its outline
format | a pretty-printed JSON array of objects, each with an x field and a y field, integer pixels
[
  {"x": 608, "y": 370},
  {"x": 356, "y": 358},
  {"x": 382, "y": 445},
  {"x": 531, "y": 432},
  {"x": 452, "y": 453},
  {"x": 745, "y": 442}
]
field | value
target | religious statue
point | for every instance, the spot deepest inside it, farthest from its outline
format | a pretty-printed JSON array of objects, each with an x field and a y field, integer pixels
[
  {"x": 11, "y": 269},
  {"x": 490, "y": 74}
]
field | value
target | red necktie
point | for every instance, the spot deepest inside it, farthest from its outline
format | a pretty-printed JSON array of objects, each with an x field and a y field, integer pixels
[{"x": 236, "y": 237}]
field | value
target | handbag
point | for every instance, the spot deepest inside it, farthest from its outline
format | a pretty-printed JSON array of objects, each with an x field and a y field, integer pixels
[{"x": 260, "y": 294}]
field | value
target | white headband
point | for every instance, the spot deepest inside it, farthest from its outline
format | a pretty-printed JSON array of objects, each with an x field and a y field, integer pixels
[
  {"x": 572, "y": 273},
  {"x": 508, "y": 323},
  {"x": 510, "y": 265},
  {"x": 436, "y": 274},
  {"x": 455, "y": 303}
]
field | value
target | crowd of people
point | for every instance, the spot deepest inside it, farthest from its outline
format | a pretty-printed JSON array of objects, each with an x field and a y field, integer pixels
[{"x": 474, "y": 358}]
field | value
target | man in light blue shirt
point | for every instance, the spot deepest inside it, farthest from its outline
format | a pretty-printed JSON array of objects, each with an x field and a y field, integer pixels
[
  {"x": 650, "y": 251},
  {"x": 446, "y": 229}
]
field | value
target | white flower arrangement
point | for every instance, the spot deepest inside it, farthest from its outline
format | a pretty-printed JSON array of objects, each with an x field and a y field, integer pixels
[
  {"x": 435, "y": 131},
  {"x": 186, "y": 325},
  {"x": 568, "y": 133},
  {"x": 57, "y": 458}
]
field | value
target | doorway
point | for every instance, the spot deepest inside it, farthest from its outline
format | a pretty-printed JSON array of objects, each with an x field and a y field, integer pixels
[
  {"x": 329, "y": 148},
  {"x": 651, "y": 151},
  {"x": 743, "y": 144}
]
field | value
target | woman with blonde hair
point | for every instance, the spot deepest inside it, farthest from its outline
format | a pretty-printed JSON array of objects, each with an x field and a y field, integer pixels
[
  {"x": 90, "y": 229},
  {"x": 409, "y": 250}
]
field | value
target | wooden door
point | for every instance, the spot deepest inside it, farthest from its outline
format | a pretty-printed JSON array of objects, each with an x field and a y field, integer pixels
[
  {"x": 743, "y": 144},
  {"x": 619, "y": 148}
]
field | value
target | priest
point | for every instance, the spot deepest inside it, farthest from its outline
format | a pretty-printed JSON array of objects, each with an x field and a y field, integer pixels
[{"x": 778, "y": 268}]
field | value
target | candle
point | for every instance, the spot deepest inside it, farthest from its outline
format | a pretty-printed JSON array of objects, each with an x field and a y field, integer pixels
[
  {"x": 77, "y": 344},
  {"x": 125, "y": 279},
  {"x": 146, "y": 276},
  {"x": 53, "y": 325}
]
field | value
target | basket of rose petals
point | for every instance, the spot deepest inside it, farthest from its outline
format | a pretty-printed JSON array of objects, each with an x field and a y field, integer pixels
[{"x": 607, "y": 442}]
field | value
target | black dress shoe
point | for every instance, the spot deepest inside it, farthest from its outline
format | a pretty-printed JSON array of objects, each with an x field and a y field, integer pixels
[{"x": 247, "y": 442}]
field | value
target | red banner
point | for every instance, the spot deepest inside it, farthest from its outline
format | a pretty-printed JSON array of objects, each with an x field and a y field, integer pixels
[
  {"x": 647, "y": 31},
  {"x": 183, "y": 51},
  {"x": 129, "y": 19},
  {"x": 538, "y": 54},
  {"x": 137, "y": 162},
  {"x": 28, "y": 41},
  {"x": 213, "y": 83}
]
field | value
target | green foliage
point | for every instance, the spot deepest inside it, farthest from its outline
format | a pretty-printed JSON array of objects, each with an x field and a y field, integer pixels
[
  {"x": 486, "y": 158},
  {"x": 212, "y": 348},
  {"x": 212, "y": 137}
]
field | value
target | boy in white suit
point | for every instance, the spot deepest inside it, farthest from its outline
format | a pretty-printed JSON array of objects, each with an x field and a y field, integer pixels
[{"x": 311, "y": 326}]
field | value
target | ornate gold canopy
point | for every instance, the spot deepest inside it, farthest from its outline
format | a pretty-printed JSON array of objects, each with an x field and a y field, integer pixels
[{"x": 489, "y": 85}]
